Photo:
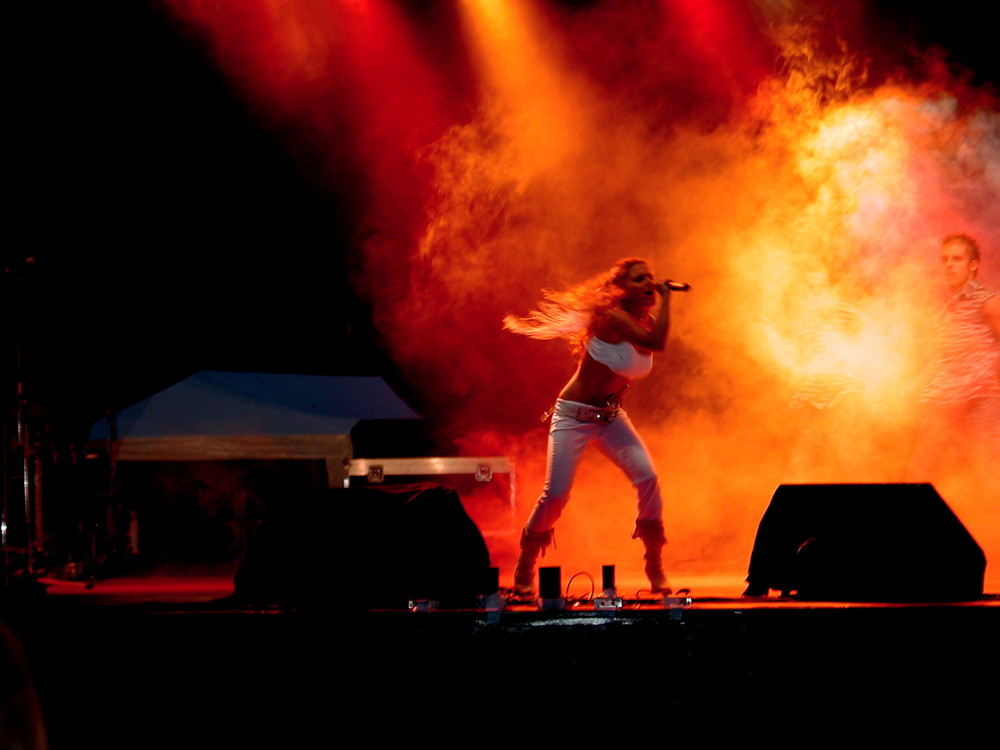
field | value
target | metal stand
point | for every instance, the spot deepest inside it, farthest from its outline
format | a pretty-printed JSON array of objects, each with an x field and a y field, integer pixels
[{"x": 18, "y": 508}]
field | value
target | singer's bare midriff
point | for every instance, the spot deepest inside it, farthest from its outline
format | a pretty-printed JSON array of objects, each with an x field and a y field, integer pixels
[{"x": 593, "y": 383}]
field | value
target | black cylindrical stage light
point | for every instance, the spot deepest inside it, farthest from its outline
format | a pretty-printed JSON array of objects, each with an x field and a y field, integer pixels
[
  {"x": 608, "y": 577},
  {"x": 550, "y": 588},
  {"x": 491, "y": 581},
  {"x": 490, "y": 597},
  {"x": 609, "y": 598},
  {"x": 550, "y": 582}
]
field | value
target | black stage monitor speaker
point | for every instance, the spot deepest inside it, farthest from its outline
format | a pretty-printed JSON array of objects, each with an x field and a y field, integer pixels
[
  {"x": 366, "y": 549},
  {"x": 865, "y": 542}
]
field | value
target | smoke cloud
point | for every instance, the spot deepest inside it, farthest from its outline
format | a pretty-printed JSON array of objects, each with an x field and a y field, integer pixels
[{"x": 764, "y": 153}]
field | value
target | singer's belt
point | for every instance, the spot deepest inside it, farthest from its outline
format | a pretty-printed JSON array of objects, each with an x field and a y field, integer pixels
[{"x": 587, "y": 412}]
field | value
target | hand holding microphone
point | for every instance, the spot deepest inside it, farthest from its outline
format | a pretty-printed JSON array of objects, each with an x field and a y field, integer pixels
[{"x": 675, "y": 286}]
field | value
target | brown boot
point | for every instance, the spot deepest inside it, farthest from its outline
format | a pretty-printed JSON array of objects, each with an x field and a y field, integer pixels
[
  {"x": 531, "y": 545},
  {"x": 653, "y": 538}
]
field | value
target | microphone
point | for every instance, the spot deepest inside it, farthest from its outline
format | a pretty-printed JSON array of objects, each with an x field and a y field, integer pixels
[{"x": 677, "y": 286}]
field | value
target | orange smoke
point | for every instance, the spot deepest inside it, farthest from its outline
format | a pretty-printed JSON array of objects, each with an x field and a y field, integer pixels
[{"x": 750, "y": 155}]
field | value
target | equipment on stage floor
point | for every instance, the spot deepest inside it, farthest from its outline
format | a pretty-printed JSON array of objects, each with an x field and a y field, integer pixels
[
  {"x": 864, "y": 542},
  {"x": 550, "y": 588},
  {"x": 609, "y": 598}
]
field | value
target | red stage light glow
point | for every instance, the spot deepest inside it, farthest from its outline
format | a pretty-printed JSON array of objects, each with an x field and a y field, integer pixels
[{"x": 572, "y": 138}]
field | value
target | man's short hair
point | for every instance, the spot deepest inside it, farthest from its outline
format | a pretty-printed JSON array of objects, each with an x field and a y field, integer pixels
[{"x": 968, "y": 240}]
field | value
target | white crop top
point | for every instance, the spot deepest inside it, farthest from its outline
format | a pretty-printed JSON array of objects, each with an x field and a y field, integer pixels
[{"x": 622, "y": 358}]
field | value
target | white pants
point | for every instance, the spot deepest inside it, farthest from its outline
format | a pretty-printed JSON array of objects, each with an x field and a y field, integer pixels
[{"x": 618, "y": 440}]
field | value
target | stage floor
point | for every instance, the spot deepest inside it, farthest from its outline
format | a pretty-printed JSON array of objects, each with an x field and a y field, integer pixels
[
  {"x": 172, "y": 660},
  {"x": 200, "y": 588}
]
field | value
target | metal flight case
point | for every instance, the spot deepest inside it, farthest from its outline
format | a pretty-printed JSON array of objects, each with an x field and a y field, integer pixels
[{"x": 485, "y": 486}]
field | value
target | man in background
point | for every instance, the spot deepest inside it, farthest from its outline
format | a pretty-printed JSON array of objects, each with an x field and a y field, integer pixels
[{"x": 961, "y": 391}]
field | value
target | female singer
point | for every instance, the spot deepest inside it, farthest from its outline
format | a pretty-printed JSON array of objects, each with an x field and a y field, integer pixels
[{"x": 613, "y": 332}]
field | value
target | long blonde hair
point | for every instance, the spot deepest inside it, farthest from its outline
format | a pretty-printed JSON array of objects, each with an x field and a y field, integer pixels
[{"x": 571, "y": 314}]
